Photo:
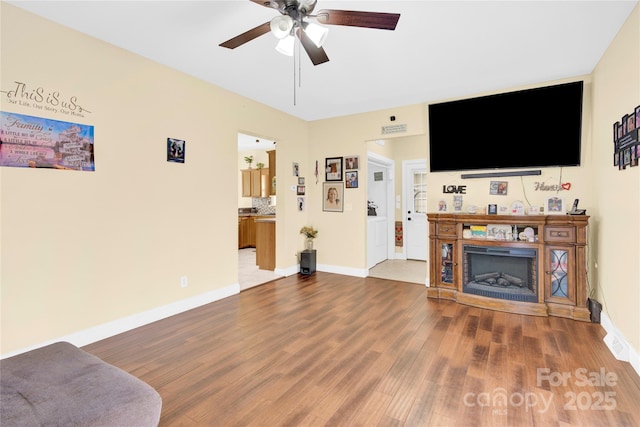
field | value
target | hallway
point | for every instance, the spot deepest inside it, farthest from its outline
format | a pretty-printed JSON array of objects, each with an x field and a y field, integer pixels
[{"x": 403, "y": 270}]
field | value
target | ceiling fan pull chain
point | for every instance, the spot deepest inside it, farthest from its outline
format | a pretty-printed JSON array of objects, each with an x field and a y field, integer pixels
[{"x": 294, "y": 77}]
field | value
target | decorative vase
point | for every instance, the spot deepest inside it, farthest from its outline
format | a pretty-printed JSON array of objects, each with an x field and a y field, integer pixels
[{"x": 309, "y": 243}]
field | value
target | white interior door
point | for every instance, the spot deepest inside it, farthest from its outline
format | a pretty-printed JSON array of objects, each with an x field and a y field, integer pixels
[{"x": 414, "y": 220}]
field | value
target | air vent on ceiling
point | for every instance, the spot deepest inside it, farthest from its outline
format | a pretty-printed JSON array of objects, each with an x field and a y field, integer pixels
[{"x": 386, "y": 130}]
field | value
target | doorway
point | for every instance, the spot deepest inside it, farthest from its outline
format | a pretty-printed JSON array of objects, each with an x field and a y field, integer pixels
[
  {"x": 380, "y": 196},
  {"x": 251, "y": 205}
]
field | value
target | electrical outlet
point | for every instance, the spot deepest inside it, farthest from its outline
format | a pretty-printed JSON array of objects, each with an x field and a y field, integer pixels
[{"x": 183, "y": 282}]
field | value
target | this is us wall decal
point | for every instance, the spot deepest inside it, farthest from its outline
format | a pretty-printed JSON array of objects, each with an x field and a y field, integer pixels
[{"x": 42, "y": 99}]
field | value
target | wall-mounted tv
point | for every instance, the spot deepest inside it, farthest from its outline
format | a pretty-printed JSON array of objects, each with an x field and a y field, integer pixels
[{"x": 539, "y": 127}]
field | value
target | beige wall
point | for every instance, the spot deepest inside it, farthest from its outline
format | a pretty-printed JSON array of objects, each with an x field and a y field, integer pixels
[
  {"x": 342, "y": 236},
  {"x": 615, "y": 243},
  {"x": 81, "y": 249}
]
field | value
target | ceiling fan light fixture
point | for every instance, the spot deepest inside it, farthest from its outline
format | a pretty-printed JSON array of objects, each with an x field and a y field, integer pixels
[
  {"x": 285, "y": 46},
  {"x": 281, "y": 26},
  {"x": 317, "y": 33},
  {"x": 307, "y": 5}
]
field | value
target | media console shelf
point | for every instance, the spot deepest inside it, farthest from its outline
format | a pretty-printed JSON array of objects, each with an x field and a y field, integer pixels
[{"x": 543, "y": 272}]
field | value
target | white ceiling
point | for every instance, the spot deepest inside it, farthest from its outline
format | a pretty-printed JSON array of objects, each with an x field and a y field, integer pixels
[{"x": 439, "y": 50}]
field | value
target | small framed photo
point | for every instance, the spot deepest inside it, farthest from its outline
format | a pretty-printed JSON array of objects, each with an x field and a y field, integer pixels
[
  {"x": 637, "y": 111},
  {"x": 533, "y": 210},
  {"x": 351, "y": 178},
  {"x": 554, "y": 206},
  {"x": 492, "y": 209},
  {"x": 296, "y": 169},
  {"x": 351, "y": 162},
  {"x": 332, "y": 193},
  {"x": 175, "y": 150},
  {"x": 626, "y": 156},
  {"x": 300, "y": 180},
  {"x": 333, "y": 169},
  {"x": 503, "y": 210},
  {"x": 300, "y": 204},
  {"x": 300, "y": 190},
  {"x": 498, "y": 188}
]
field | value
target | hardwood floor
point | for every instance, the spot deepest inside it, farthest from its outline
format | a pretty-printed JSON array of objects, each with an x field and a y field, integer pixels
[{"x": 332, "y": 350}]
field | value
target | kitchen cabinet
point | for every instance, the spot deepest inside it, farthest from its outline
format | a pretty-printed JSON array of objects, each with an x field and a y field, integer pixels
[
  {"x": 266, "y": 243},
  {"x": 246, "y": 232},
  {"x": 272, "y": 171},
  {"x": 255, "y": 183}
]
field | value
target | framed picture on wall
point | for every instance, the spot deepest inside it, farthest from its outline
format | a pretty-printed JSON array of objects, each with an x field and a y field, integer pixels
[
  {"x": 333, "y": 169},
  {"x": 498, "y": 188},
  {"x": 351, "y": 162},
  {"x": 175, "y": 150},
  {"x": 351, "y": 179},
  {"x": 332, "y": 196}
]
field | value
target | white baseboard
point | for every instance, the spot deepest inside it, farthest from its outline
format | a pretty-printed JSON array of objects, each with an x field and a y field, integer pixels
[
  {"x": 347, "y": 271},
  {"x": 119, "y": 326},
  {"x": 618, "y": 345},
  {"x": 289, "y": 271}
]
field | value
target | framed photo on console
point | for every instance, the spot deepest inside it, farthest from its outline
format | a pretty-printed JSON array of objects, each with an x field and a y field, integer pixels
[{"x": 555, "y": 206}]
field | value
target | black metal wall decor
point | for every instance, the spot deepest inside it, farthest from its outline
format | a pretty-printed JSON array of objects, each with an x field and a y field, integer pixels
[{"x": 626, "y": 147}]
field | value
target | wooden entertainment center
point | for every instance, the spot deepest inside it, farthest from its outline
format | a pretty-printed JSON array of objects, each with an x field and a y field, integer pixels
[{"x": 556, "y": 263}]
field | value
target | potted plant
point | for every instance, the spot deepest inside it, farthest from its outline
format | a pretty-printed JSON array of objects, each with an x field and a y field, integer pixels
[
  {"x": 249, "y": 160},
  {"x": 259, "y": 165},
  {"x": 310, "y": 233}
]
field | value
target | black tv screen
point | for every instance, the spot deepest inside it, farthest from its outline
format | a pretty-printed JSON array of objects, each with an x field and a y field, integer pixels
[{"x": 539, "y": 127}]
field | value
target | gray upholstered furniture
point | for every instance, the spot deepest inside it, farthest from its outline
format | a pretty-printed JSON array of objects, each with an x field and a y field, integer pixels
[{"x": 62, "y": 385}]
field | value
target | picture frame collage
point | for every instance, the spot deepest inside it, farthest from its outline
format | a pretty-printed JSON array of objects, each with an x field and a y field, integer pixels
[
  {"x": 626, "y": 144},
  {"x": 340, "y": 172}
]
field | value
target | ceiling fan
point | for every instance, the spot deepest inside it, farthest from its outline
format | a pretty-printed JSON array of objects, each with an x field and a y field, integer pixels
[{"x": 295, "y": 21}]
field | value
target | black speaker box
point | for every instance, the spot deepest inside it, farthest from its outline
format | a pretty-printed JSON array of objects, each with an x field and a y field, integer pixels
[
  {"x": 594, "y": 308},
  {"x": 308, "y": 261}
]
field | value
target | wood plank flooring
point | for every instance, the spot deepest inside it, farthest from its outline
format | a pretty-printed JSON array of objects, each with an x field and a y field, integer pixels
[{"x": 332, "y": 350}]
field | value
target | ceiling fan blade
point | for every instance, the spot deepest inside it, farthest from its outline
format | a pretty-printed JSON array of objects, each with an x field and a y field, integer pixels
[
  {"x": 352, "y": 18},
  {"x": 247, "y": 36},
  {"x": 316, "y": 54}
]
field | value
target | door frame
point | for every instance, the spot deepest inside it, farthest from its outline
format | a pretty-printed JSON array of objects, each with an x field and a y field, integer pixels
[{"x": 389, "y": 165}]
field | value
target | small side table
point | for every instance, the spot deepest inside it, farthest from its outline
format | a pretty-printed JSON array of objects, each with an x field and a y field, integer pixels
[{"x": 308, "y": 262}]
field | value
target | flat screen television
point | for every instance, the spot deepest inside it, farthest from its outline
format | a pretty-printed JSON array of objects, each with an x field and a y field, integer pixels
[{"x": 539, "y": 127}]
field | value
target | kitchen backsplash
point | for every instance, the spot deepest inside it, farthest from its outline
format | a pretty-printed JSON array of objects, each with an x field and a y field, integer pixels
[{"x": 263, "y": 205}]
